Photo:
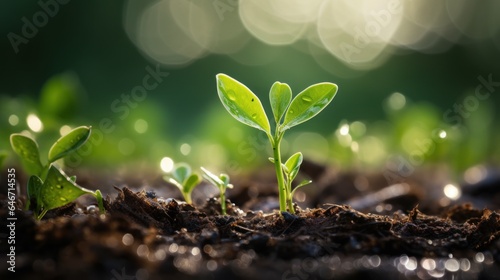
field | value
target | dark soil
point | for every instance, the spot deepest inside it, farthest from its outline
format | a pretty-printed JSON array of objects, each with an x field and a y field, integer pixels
[{"x": 145, "y": 236}]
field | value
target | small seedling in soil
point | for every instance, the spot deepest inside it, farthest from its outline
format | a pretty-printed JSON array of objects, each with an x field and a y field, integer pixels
[
  {"x": 48, "y": 186},
  {"x": 221, "y": 182},
  {"x": 183, "y": 178},
  {"x": 245, "y": 106}
]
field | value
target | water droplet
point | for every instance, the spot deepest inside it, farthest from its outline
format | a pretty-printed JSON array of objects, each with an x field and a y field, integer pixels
[
  {"x": 92, "y": 209},
  {"x": 231, "y": 95},
  {"x": 59, "y": 186},
  {"x": 291, "y": 111},
  {"x": 254, "y": 116},
  {"x": 306, "y": 98},
  {"x": 63, "y": 199},
  {"x": 59, "y": 179}
]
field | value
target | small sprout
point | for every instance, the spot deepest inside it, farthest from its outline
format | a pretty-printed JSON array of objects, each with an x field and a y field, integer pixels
[
  {"x": 48, "y": 186},
  {"x": 58, "y": 190},
  {"x": 183, "y": 178},
  {"x": 291, "y": 169},
  {"x": 245, "y": 106},
  {"x": 221, "y": 182}
]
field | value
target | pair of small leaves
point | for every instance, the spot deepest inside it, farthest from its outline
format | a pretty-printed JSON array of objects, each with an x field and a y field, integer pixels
[
  {"x": 245, "y": 106},
  {"x": 57, "y": 190},
  {"x": 222, "y": 181},
  {"x": 291, "y": 169},
  {"x": 292, "y": 166},
  {"x": 183, "y": 178},
  {"x": 28, "y": 150}
]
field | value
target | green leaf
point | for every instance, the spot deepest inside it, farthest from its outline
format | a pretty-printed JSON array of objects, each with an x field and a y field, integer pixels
[
  {"x": 303, "y": 183},
  {"x": 225, "y": 178},
  {"x": 34, "y": 186},
  {"x": 27, "y": 149},
  {"x": 293, "y": 165},
  {"x": 280, "y": 97},
  {"x": 181, "y": 172},
  {"x": 191, "y": 182},
  {"x": 69, "y": 143},
  {"x": 222, "y": 182},
  {"x": 212, "y": 178},
  {"x": 58, "y": 190},
  {"x": 100, "y": 201},
  {"x": 309, "y": 103},
  {"x": 173, "y": 182},
  {"x": 242, "y": 103}
]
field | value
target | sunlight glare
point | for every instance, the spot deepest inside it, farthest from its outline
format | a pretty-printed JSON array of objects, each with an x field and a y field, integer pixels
[
  {"x": 34, "y": 123},
  {"x": 166, "y": 164},
  {"x": 452, "y": 192}
]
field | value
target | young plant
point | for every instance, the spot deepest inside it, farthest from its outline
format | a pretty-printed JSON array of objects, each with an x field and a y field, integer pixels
[
  {"x": 245, "y": 106},
  {"x": 221, "y": 182},
  {"x": 48, "y": 186},
  {"x": 183, "y": 178},
  {"x": 290, "y": 170}
]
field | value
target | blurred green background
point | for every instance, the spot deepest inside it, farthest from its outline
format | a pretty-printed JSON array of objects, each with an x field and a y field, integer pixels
[{"x": 408, "y": 75}]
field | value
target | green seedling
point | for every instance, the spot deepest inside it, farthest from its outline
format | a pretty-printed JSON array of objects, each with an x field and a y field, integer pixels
[
  {"x": 221, "y": 182},
  {"x": 57, "y": 190},
  {"x": 290, "y": 170},
  {"x": 183, "y": 178},
  {"x": 48, "y": 186},
  {"x": 245, "y": 106}
]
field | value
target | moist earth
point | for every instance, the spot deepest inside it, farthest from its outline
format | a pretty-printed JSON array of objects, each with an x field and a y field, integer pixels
[{"x": 146, "y": 236}]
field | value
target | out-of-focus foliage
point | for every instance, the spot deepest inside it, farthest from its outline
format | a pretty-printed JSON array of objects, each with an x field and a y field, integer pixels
[
  {"x": 429, "y": 51},
  {"x": 3, "y": 156},
  {"x": 418, "y": 131},
  {"x": 59, "y": 99},
  {"x": 421, "y": 134}
]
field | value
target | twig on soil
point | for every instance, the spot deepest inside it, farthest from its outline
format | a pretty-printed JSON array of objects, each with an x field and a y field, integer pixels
[{"x": 246, "y": 229}]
